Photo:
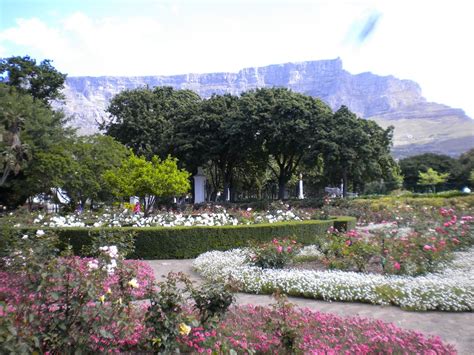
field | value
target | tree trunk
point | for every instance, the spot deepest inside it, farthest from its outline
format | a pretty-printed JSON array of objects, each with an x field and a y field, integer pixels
[{"x": 281, "y": 187}]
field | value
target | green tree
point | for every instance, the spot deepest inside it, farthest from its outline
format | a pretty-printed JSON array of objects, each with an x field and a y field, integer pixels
[
  {"x": 442, "y": 163},
  {"x": 14, "y": 109},
  {"x": 466, "y": 160},
  {"x": 27, "y": 128},
  {"x": 289, "y": 125},
  {"x": 91, "y": 157},
  {"x": 144, "y": 119},
  {"x": 147, "y": 179},
  {"x": 432, "y": 178},
  {"x": 42, "y": 81},
  {"x": 356, "y": 150},
  {"x": 471, "y": 176},
  {"x": 219, "y": 136}
]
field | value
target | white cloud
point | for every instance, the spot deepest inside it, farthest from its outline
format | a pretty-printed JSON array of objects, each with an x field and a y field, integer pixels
[{"x": 426, "y": 41}]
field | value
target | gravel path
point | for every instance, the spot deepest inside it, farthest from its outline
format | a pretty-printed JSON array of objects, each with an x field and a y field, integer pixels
[{"x": 456, "y": 328}]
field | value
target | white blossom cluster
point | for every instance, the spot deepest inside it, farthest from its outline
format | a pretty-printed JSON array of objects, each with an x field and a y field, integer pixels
[
  {"x": 277, "y": 216},
  {"x": 449, "y": 290},
  {"x": 60, "y": 221},
  {"x": 166, "y": 219},
  {"x": 112, "y": 253}
]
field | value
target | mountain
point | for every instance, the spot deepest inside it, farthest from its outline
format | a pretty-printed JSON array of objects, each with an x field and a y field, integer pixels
[{"x": 420, "y": 126}]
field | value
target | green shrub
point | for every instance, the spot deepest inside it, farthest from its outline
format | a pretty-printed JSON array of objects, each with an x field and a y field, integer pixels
[
  {"x": 275, "y": 254},
  {"x": 189, "y": 242}
]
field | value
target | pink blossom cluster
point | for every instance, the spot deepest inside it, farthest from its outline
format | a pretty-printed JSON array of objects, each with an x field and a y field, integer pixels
[
  {"x": 11, "y": 289},
  {"x": 260, "y": 329}
]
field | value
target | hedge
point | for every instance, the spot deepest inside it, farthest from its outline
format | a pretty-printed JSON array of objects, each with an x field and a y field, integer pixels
[{"x": 189, "y": 242}]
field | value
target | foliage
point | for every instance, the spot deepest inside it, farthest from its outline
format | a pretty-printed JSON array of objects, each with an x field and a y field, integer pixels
[
  {"x": 275, "y": 254},
  {"x": 432, "y": 178},
  {"x": 28, "y": 128},
  {"x": 123, "y": 240},
  {"x": 357, "y": 150},
  {"x": 14, "y": 107},
  {"x": 290, "y": 125},
  {"x": 412, "y": 166},
  {"x": 167, "y": 317},
  {"x": 144, "y": 119},
  {"x": 92, "y": 156},
  {"x": 189, "y": 242},
  {"x": 42, "y": 81},
  {"x": 221, "y": 135},
  {"x": 348, "y": 251},
  {"x": 138, "y": 177},
  {"x": 59, "y": 307}
]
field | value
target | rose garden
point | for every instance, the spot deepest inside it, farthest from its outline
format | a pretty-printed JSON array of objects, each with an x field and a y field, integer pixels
[{"x": 86, "y": 220}]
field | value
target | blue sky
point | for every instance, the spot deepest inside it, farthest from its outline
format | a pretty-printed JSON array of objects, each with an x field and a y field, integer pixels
[{"x": 426, "y": 41}]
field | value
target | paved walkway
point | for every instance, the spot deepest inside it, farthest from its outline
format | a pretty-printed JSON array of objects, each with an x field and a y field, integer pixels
[{"x": 456, "y": 328}]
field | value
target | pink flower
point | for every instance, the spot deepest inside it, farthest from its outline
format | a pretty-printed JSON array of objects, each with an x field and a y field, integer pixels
[
  {"x": 288, "y": 249},
  {"x": 348, "y": 243},
  {"x": 396, "y": 265},
  {"x": 279, "y": 249},
  {"x": 427, "y": 247}
]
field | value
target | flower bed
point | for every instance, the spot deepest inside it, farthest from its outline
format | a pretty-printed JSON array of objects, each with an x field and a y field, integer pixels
[
  {"x": 11, "y": 285},
  {"x": 65, "y": 304},
  {"x": 126, "y": 218},
  {"x": 302, "y": 331},
  {"x": 449, "y": 290}
]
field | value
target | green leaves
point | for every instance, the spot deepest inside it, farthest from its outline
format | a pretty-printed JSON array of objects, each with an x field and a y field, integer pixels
[
  {"x": 139, "y": 177},
  {"x": 432, "y": 178},
  {"x": 43, "y": 82}
]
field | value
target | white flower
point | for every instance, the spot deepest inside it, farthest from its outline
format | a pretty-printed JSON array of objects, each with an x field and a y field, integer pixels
[
  {"x": 24, "y": 237},
  {"x": 93, "y": 264},
  {"x": 133, "y": 283},
  {"x": 450, "y": 290},
  {"x": 40, "y": 232}
]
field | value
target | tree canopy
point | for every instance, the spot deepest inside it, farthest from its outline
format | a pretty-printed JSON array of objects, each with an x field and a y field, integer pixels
[
  {"x": 441, "y": 163},
  {"x": 432, "y": 178},
  {"x": 42, "y": 81},
  {"x": 289, "y": 124},
  {"x": 137, "y": 176},
  {"x": 144, "y": 119}
]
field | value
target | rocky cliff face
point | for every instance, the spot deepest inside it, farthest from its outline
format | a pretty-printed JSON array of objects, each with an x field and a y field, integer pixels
[{"x": 419, "y": 125}]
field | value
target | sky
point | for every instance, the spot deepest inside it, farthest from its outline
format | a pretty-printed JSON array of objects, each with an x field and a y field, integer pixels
[{"x": 429, "y": 42}]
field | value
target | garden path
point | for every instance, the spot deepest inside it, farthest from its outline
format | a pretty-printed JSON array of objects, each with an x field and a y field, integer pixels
[{"x": 456, "y": 328}]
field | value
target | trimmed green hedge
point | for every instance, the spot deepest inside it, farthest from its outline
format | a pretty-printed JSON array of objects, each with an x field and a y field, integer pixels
[{"x": 189, "y": 242}]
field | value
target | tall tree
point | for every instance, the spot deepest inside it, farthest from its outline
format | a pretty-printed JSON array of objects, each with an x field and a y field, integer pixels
[
  {"x": 42, "y": 81},
  {"x": 356, "y": 150},
  {"x": 14, "y": 109},
  {"x": 93, "y": 155},
  {"x": 218, "y": 133},
  {"x": 144, "y": 119},
  {"x": 147, "y": 179},
  {"x": 432, "y": 178},
  {"x": 290, "y": 126},
  {"x": 442, "y": 163},
  {"x": 466, "y": 160}
]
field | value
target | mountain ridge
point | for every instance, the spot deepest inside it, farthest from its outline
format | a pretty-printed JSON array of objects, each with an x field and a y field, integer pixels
[{"x": 385, "y": 99}]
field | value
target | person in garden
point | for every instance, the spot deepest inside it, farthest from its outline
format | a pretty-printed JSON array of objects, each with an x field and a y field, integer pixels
[{"x": 137, "y": 208}]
